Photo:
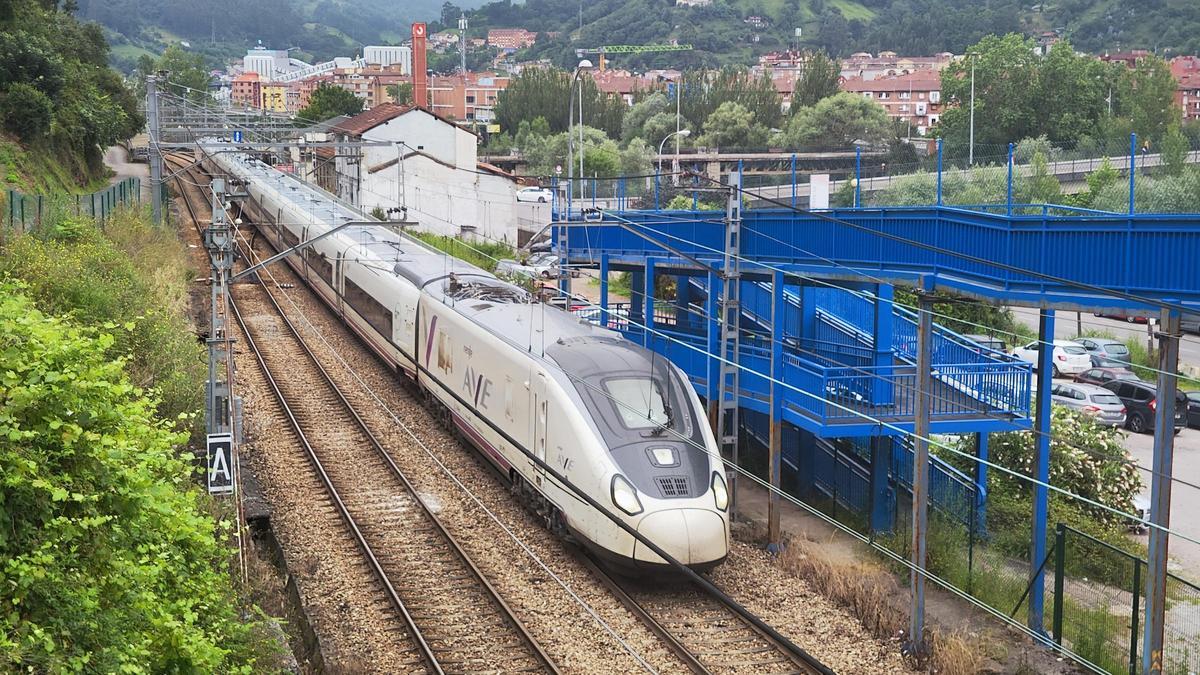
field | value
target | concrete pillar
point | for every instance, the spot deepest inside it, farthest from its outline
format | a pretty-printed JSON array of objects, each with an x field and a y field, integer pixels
[
  {"x": 774, "y": 455},
  {"x": 1041, "y": 469}
]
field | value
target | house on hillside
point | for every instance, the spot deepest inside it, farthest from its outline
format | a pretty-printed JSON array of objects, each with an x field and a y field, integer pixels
[{"x": 429, "y": 167}]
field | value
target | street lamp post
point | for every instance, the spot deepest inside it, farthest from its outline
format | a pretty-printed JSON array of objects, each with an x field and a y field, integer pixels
[
  {"x": 682, "y": 133},
  {"x": 583, "y": 65},
  {"x": 971, "y": 150}
]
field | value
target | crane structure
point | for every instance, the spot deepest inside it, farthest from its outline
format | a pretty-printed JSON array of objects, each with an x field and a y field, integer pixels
[{"x": 604, "y": 51}]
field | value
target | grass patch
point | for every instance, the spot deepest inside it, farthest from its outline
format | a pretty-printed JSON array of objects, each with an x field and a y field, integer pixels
[
  {"x": 480, "y": 254},
  {"x": 44, "y": 170}
]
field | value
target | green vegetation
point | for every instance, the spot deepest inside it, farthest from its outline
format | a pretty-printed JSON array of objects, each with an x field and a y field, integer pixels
[
  {"x": 56, "y": 94},
  {"x": 111, "y": 562},
  {"x": 479, "y": 253},
  {"x": 132, "y": 275},
  {"x": 840, "y": 120},
  {"x": 329, "y": 101},
  {"x": 34, "y": 171}
]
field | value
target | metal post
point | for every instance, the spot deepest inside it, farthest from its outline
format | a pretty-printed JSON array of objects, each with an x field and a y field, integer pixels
[
  {"x": 1160, "y": 492},
  {"x": 857, "y": 174},
  {"x": 981, "y": 476},
  {"x": 218, "y": 239},
  {"x": 647, "y": 291},
  {"x": 920, "y": 490},
  {"x": 1132, "y": 169},
  {"x": 712, "y": 309},
  {"x": 794, "y": 181},
  {"x": 156, "y": 168},
  {"x": 939, "y": 172},
  {"x": 1060, "y": 561},
  {"x": 1134, "y": 615},
  {"x": 581, "y": 194},
  {"x": 604, "y": 316},
  {"x": 775, "y": 452},
  {"x": 971, "y": 150},
  {"x": 728, "y": 388},
  {"x": 1041, "y": 470},
  {"x": 1010, "y": 183}
]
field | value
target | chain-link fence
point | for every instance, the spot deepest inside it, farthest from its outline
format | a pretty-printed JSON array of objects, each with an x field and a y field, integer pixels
[{"x": 27, "y": 212}]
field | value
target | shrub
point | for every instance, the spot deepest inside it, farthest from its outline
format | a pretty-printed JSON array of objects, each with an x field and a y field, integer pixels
[
  {"x": 26, "y": 111},
  {"x": 108, "y": 562}
]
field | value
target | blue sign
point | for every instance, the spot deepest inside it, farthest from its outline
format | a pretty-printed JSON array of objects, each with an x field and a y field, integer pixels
[{"x": 237, "y": 137}]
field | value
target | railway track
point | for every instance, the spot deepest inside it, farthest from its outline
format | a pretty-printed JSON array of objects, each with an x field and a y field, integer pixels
[
  {"x": 704, "y": 631},
  {"x": 452, "y": 616}
]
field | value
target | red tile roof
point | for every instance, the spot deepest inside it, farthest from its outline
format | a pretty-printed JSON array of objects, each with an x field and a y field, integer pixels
[
  {"x": 918, "y": 81},
  {"x": 364, "y": 122}
]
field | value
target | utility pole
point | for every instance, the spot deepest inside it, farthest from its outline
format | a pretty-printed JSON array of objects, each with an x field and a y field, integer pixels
[
  {"x": 920, "y": 491},
  {"x": 1160, "y": 493},
  {"x": 156, "y": 167},
  {"x": 728, "y": 390}
]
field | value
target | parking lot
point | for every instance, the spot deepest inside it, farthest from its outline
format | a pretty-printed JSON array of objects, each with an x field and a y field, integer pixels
[{"x": 1185, "y": 500}]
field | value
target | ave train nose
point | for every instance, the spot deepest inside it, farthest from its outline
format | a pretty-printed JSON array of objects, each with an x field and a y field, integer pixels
[{"x": 694, "y": 537}]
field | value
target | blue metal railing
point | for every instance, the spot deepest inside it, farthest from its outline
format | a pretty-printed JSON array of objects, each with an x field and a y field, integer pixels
[{"x": 950, "y": 490}]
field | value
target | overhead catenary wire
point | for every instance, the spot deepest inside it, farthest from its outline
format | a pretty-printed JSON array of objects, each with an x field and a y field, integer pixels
[
  {"x": 884, "y": 424},
  {"x": 862, "y": 370}
]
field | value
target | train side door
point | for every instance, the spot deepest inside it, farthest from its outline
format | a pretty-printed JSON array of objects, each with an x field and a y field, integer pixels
[
  {"x": 541, "y": 423},
  {"x": 406, "y": 312}
]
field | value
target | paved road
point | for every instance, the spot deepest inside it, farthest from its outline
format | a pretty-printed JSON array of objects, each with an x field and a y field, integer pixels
[
  {"x": 117, "y": 159},
  {"x": 1185, "y": 500},
  {"x": 1065, "y": 327}
]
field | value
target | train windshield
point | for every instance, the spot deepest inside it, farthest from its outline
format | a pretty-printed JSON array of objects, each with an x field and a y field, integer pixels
[{"x": 639, "y": 402}]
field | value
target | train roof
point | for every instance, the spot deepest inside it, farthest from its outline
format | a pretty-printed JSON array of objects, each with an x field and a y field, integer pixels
[{"x": 498, "y": 306}]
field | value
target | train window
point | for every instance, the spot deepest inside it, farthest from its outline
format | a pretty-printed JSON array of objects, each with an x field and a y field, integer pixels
[
  {"x": 378, "y": 316},
  {"x": 289, "y": 237},
  {"x": 638, "y": 401},
  {"x": 320, "y": 265}
]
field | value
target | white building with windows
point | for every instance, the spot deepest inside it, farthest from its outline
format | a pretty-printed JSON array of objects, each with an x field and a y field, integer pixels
[
  {"x": 389, "y": 55},
  {"x": 428, "y": 167}
]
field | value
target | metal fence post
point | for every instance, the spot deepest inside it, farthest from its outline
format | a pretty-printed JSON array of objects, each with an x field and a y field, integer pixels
[
  {"x": 1132, "y": 168},
  {"x": 1060, "y": 562},
  {"x": 920, "y": 480},
  {"x": 939, "y": 172},
  {"x": 857, "y": 176},
  {"x": 794, "y": 180},
  {"x": 1133, "y": 628},
  {"x": 657, "y": 207},
  {"x": 1010, "y": 179}
]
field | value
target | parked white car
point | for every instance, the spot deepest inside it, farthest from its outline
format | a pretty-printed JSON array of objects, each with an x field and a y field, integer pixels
[
  {"x": 1100, "y": 403},
  {"x": 535, "y": 194},
  {"x": 1069, "y": 358},
  {"x": 536, "y": 266}
]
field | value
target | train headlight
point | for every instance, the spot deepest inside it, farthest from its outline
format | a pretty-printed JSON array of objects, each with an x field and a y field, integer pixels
[
  {"x": 625, "y": 496},
  {"x": 720, "y": 492}
]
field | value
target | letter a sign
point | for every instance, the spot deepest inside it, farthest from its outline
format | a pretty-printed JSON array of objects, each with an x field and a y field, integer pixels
[{"x": 220, "y": 463}]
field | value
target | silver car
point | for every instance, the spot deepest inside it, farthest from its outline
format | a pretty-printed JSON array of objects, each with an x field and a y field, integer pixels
[{"x": 1100, "y": 403}]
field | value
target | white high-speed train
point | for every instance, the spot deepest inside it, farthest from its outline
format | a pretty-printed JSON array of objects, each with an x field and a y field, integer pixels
[{"x": 513, "y": 374}]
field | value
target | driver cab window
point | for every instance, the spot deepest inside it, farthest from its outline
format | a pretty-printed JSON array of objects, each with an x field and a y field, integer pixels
[{"x": 638, "y": 401}]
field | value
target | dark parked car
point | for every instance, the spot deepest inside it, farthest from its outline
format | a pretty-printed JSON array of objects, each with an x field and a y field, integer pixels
[
  {"x": 1190, "y": 323},
  {"x": 1102, "y": 375},
  {"x": 1193, "y": 413},
  {"x": 1141, "y": 406},
  {"x": 1123, "y": 316}
]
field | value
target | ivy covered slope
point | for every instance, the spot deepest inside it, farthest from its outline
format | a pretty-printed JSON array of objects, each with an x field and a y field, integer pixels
[{"x": 109, "y": 561}]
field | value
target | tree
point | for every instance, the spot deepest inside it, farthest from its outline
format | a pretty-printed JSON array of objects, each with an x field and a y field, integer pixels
[
  {"x": 635, "y": 118},
  {"x": 1006, "y": 86},
  {"x": 26, "y": 111},
  {"x": 328, "y": 101},
  {"x": 732, "y": 125},
  {"x": 30, "y": 58},
  {"x": 1174, "y": 149},
  {"x": 1071, "y": 92},
  {"x": 704, "y": 91},
  {"x": 1146, "y": 95},
  {"x": 187, "y": 77},
  {"x": 547, "y": 93},
  {"x": 401, "y": 93},
  {"x": 838, "y": 121},
  {"x": 819, "y": 80},
  {"x": 1040, "y": 186}
]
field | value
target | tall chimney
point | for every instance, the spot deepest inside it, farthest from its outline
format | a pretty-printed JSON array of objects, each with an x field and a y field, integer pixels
[{"x": 420, "y": 70}]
